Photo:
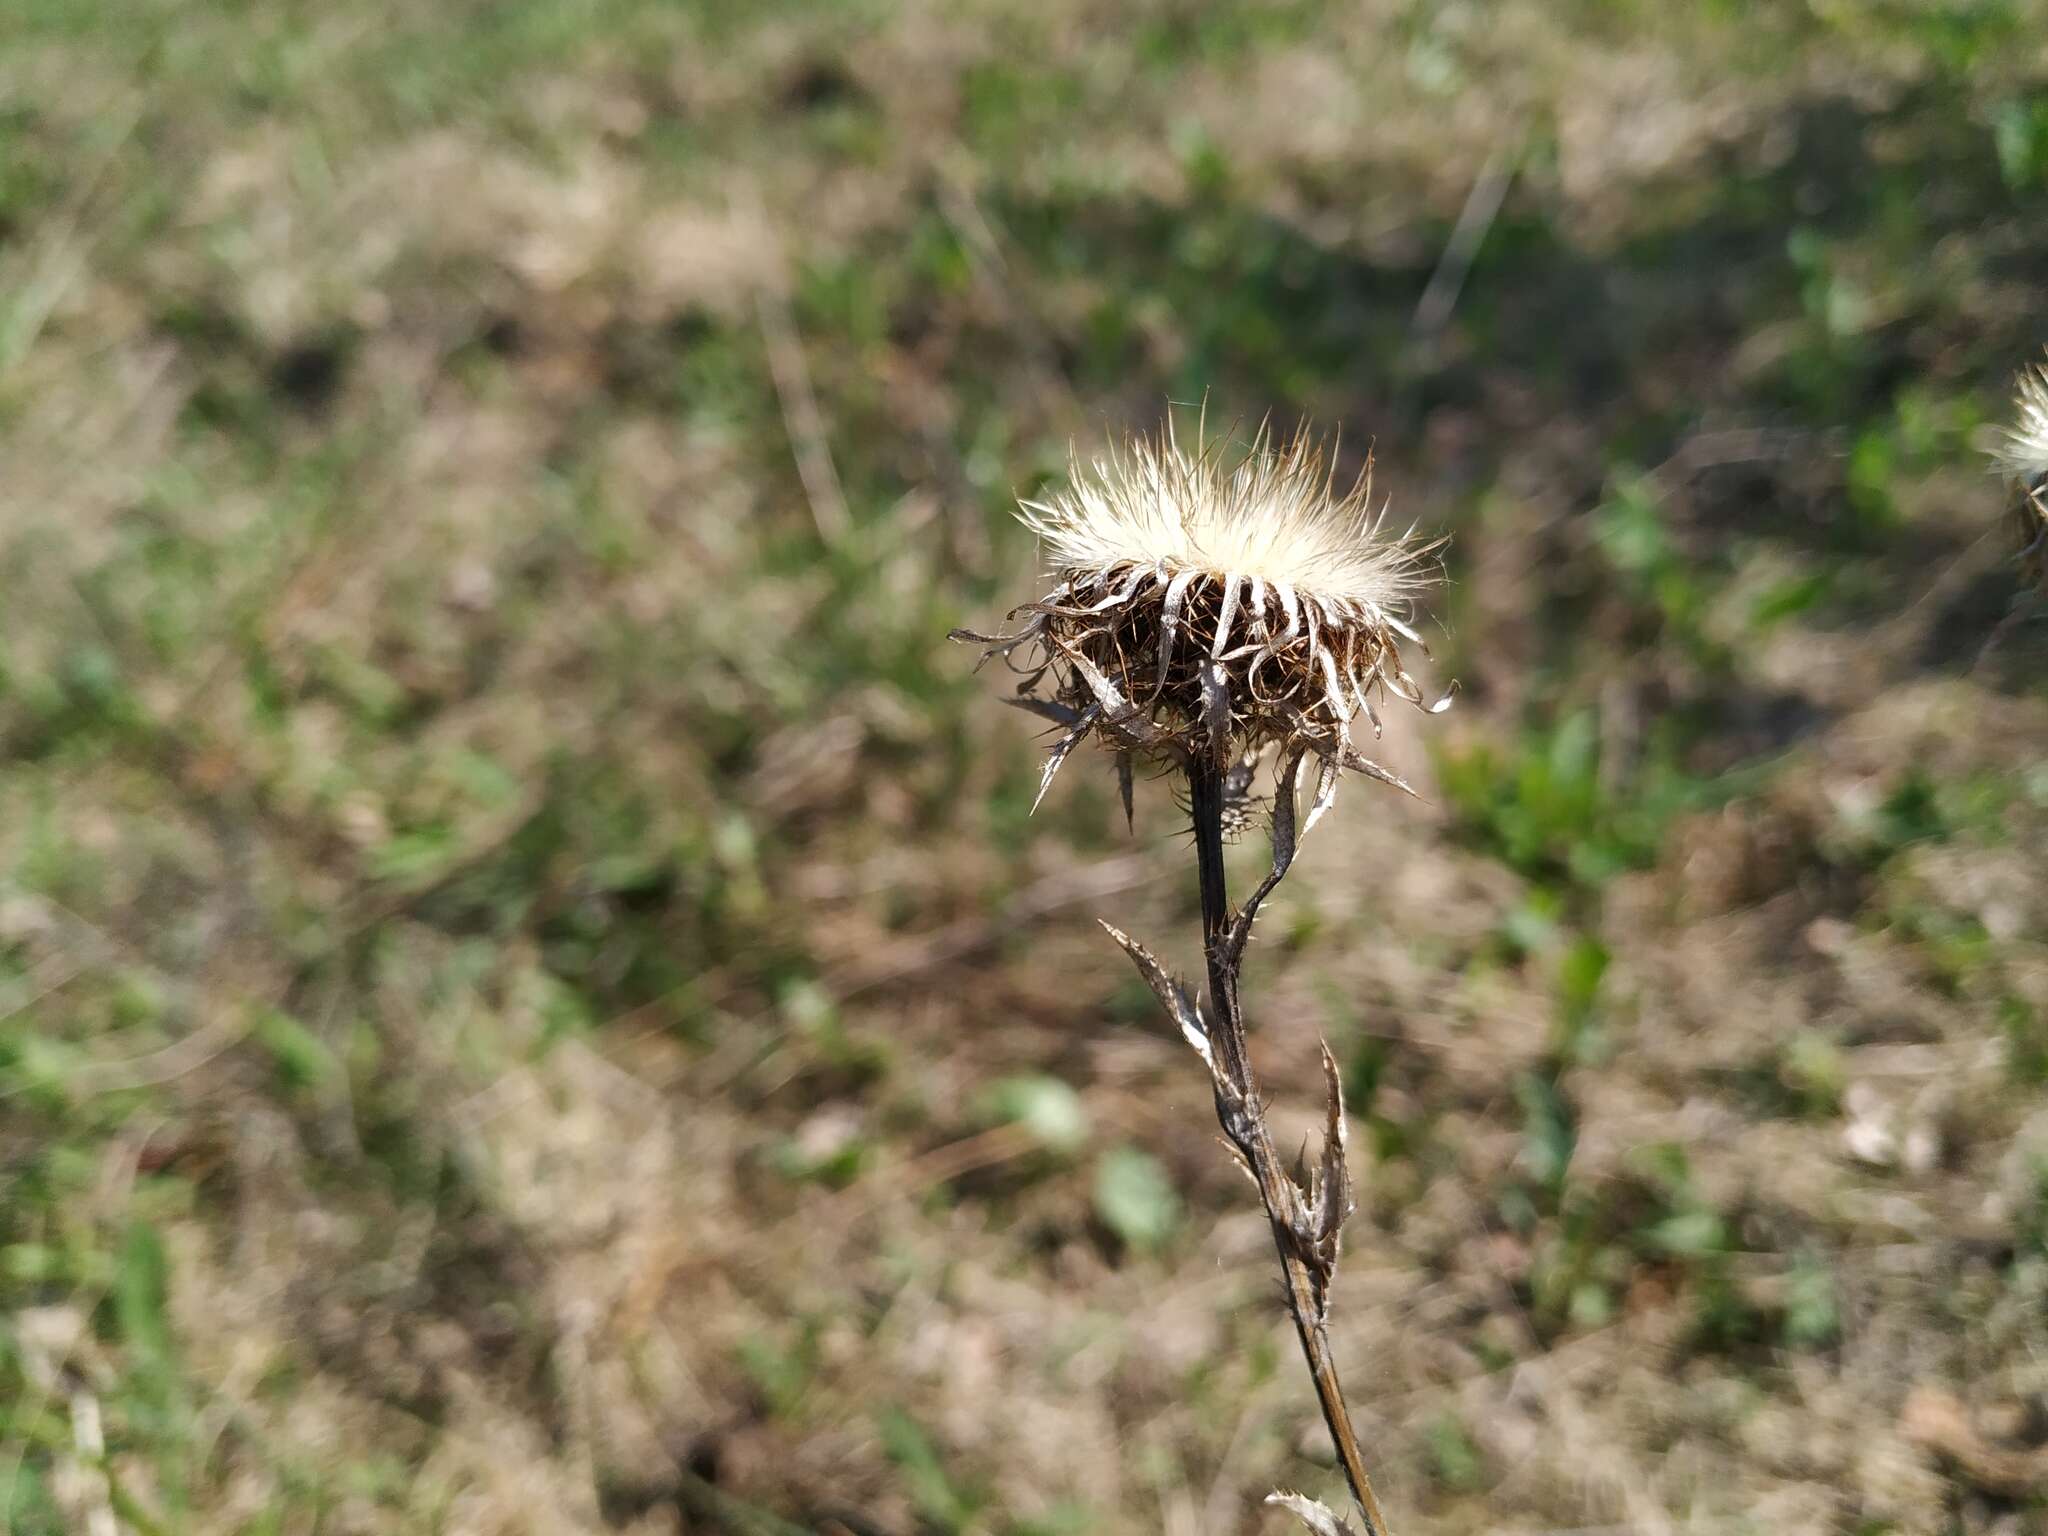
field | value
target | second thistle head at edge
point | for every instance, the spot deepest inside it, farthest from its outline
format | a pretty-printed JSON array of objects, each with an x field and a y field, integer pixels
[{"x": 2021, "y": 452}]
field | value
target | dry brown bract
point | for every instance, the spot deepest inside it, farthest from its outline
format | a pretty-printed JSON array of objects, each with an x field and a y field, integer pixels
[{"x": 1215, "y": 604}]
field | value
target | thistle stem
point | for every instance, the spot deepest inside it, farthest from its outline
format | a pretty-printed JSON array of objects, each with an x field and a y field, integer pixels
[{"x": 1248, "y": 1132}]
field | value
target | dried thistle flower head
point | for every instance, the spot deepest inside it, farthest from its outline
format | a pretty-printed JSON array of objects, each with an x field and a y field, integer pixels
[
  {"x": 1216, "y": 603},
  {"x": 2022, "y": 452}
]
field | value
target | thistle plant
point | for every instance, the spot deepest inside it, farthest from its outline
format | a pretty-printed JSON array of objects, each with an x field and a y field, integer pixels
[
  {"x": 1208, "y": 611},
  {"x": 2022, "y": 453}
]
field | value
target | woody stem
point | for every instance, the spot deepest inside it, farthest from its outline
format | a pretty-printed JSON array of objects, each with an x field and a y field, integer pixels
[{"x": 1245, "y": 1125}]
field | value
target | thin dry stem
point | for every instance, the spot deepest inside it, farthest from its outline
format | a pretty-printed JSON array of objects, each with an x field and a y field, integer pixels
[{"x": 1305, "y": 1219}]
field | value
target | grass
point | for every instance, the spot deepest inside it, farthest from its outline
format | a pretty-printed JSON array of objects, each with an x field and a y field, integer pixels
[{"x": 529, "y": 999}]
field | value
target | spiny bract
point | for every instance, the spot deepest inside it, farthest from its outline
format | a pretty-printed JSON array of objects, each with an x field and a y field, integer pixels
[{"x": 1217, "y": 603}]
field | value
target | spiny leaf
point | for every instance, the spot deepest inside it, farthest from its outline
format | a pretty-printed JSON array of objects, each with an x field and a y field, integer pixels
[
  {"x": 1118, "y": 712},
  {"x": 1357, "y": 760},
  {"x": 1049, "y": 709},
  {"x": 1286, "y": 778},
  {"x": 1172, "y": 995},
  {"x": 1333, "y": 1188},
  {"x": 1286, "y": 781},
  {"x": 1061, "y": 748}
]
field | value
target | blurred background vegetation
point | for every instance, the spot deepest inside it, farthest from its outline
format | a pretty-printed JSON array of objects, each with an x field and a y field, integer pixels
[{"x": 530, "y": 1000}]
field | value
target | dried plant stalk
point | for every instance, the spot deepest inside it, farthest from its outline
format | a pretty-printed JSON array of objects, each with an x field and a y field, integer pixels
[{"x": 1206, "y": 610}]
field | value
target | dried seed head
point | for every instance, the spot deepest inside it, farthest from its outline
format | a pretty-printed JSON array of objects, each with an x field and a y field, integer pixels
[
  {"x": 1214, "y": 604},
  {"x": 2022, "y": 452}
]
